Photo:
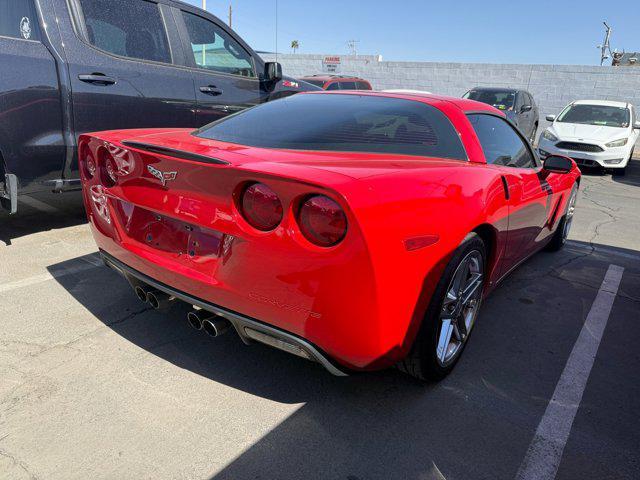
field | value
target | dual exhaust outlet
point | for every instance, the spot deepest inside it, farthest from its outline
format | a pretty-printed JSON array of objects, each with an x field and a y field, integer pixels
[{"x": 214, "y": 325}]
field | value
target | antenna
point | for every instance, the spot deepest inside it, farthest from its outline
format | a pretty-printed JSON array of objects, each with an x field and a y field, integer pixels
[
  {"x": 605, "y": 48},
  {"x": 353, "y": 47}
]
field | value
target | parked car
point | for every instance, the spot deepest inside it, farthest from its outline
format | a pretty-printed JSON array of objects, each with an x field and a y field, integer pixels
[
  {"x": 518, "y": 105},
  {"x": 595, "y": 133},
  {"x": 75, "y": 66},
  {"x": 406, "y": 90},
  {"x": 337, "y": 82},
  {"x": 365, "y": 236}
]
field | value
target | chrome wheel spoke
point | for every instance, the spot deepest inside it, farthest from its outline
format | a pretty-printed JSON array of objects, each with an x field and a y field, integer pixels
[
  {"x": 446, "y": 330},
  {"x": 472, "y": 288}
]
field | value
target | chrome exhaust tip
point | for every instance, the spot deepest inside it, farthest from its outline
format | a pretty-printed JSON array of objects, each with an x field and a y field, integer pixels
[
  {"x": 141, "y": 293},
  {"x": 196, "y": 317},
  {"x": 216, "y": 325},
  {"x": 159, "y": 300}
]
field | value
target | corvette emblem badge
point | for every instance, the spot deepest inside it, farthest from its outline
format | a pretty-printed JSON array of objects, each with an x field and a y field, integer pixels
[{"x": 164, "y": 177}]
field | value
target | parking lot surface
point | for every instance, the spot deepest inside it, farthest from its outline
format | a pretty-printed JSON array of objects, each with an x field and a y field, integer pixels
[{"x": 97, "y": 385}]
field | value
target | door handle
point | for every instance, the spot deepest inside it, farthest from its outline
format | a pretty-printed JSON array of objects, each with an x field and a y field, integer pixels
[
  {"x": 212, "y": 90},
  {"x": 97, "y": 78}
]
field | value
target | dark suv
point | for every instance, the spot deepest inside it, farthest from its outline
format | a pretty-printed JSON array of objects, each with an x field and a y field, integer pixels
[
  {"x": 75, "y": 66},
  {"x": 337, "y": 82},
  {"x": 518, "y": 105}
]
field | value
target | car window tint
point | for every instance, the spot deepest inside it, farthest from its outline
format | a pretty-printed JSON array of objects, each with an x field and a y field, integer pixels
[
  {"x": 347, "y": 85},
  {"x": 603, "y": 115},
  {"x": 216, "y": 50},
  {"x": 354, "y": 123},
  {"x": 18, "y": 19},
  {"x": 363, "y": 86},
  {"x": 500, "y": 143},
  {"x": 500, "y": 99},
  {"x": 333, "y": 86},
  {"x": 129, "y": 29}
]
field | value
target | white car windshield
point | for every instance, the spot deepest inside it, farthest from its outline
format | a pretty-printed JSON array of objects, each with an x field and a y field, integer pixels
[{"x": 607, "y": 116}]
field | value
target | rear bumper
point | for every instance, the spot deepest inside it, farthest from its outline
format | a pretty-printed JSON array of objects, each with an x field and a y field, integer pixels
[{"x": 241, "y": 323}]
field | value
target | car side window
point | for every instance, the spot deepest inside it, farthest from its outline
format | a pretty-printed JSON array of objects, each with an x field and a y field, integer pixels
[
  {"x": 520, "y": 102},
  {"x": 363, "y": 86},
  {"x": 500, "y": 142},
  {"x": 528, "y": 99},
  {"x": 18, "y": 19},
  {"x": 139, "y": 33},
  {"x": 214, "y": 49},
  {"x": 348, "y": 86},
  {"x": 334, "y": 86}
]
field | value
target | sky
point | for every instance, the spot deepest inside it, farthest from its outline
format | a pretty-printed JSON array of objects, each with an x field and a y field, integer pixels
[{"x": 498, "y": 31}]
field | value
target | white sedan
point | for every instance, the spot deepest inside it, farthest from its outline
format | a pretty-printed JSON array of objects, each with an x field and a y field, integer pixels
[{"x": 593, "y": 133}]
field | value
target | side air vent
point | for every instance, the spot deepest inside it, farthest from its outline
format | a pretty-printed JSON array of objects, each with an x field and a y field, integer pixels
[{"x": 172, "y": 152}]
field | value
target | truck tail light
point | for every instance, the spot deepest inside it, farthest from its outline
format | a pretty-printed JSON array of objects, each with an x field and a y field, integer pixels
[
  {"x": 322, "y": 221},
  {"x": 261, "y": 207}
]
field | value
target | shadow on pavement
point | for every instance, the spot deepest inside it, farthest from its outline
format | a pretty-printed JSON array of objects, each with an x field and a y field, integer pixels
[
  {"x": 475, "y": 424},
  {"x": 42, "y": 212},
  {"x": 632, "y": 176}
]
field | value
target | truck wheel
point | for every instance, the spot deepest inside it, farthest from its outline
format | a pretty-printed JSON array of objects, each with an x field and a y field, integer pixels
[{"x": 451, "y": 314}]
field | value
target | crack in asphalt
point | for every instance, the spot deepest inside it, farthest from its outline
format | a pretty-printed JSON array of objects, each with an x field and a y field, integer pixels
[{"x": 20, "y": 463}]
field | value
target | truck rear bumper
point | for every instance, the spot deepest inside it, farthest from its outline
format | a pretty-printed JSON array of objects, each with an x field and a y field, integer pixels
[{"x": 247, "y": 328}]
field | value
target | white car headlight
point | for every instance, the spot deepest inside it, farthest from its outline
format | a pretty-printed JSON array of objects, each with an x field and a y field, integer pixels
[
  {"x": 549, "y": 136},
  {"x": 618, "y": 143}
]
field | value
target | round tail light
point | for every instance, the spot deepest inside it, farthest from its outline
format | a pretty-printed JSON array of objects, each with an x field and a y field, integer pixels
[
  {"x": 261, "y": 207},
  {"x": 108, "y": 169},
  {"x": 322, "y": 221},
  {"x": 87, "y": 162}
]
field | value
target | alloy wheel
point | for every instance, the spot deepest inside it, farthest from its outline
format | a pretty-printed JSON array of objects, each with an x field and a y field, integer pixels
[
  {"x": 571, "y": 209},
  {"x": 460, "y": 307}
]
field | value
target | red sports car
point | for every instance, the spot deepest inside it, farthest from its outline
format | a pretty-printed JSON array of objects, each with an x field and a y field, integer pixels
[{"x": 358, "y": 230}]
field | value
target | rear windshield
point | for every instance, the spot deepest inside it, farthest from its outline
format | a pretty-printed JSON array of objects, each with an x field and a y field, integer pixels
[
  {"x": 348, "y": 123},
  {"x": 500, "y": 99},
  {"x": 604, "y": 115},
  {"x": 317, "y": 83}
]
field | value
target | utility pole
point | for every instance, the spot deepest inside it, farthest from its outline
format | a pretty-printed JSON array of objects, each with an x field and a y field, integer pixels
[
  {"x": 605, "y": 48},
  {"x": 230, "y": 16},
  {"x": 204, "y": 4},
  {"x": 353, "y": 47}
]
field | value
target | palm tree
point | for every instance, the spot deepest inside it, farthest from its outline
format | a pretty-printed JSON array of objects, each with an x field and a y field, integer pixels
[{"x": 295, "y": 45}]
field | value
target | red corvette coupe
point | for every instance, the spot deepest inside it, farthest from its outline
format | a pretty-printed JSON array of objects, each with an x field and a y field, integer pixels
[{"x": 358, "y": 230}]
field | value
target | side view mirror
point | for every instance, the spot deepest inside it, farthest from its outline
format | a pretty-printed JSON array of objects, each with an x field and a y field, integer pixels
[
  {"x": 558, "y": 164},
  {"x": 551, "y": 118},
  {"x": 272, "y": 72},
  {"x": 526, "y": 108},
  {"x": 636, "y": 125}
]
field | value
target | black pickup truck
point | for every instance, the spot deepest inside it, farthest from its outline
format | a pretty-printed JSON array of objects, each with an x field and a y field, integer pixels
[{"x": 75, "y": 66}]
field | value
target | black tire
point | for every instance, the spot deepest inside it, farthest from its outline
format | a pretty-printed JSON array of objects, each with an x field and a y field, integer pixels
[
  {"x": 562, "y": 231},
  {"x": 422, "y": 361}
]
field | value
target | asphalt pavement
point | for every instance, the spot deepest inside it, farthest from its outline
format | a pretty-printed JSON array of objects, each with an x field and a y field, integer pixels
[{"x": 96, "y": 385}]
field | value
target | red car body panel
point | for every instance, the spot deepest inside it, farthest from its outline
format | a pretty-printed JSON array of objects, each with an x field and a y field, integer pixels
[{"x": 361, "y": 301}]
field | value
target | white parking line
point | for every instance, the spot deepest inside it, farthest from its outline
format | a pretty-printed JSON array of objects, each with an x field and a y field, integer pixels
[
  {"x": 89, "y": 262},
  {"x": 545, "y": 451}
]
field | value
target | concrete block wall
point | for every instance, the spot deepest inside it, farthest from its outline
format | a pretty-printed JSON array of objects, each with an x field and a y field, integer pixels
[{"x": 553, "y": 86}]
